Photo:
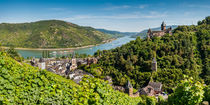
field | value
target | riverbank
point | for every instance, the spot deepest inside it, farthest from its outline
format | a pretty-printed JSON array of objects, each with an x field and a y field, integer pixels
[
  {"x": 89, "y": 51},
  {"x": 58, "y": 49}
]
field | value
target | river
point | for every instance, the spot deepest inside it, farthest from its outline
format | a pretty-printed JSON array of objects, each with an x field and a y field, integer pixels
[{"x": 89, "y": 51}]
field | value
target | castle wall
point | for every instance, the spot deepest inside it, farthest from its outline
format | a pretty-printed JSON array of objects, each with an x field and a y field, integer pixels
[
  {"x": 158, "y": 34},
  {"x": 161, "y": 33}
]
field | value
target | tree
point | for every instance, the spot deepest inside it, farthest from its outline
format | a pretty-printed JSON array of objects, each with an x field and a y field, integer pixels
[
  {"x": 205, "y": 21},
  {"x": 207, "y": 93},
  {"x": 14, "y": 54},
  {"x": 187, "y": 93},
  {"x": 45, "y": 54},
  {"x": 1, "y": 48}
]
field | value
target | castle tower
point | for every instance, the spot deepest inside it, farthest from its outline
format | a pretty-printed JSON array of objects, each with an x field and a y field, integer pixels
[
  {"x": 163, "y": 26},
  {"x": 154, "y": 65},
  {"x": 149, "y": 33},
  {"x": 130, "y": 89}
]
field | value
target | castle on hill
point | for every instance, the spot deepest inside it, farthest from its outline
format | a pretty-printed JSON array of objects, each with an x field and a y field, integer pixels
[{"x": 160, "y": 33}]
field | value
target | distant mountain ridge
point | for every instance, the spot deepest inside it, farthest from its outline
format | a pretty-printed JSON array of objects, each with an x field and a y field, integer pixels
[
  {"x": 143, "y": 34},
  {"x": 117, "y": 34},
  {"x": 49, "y": 34}
]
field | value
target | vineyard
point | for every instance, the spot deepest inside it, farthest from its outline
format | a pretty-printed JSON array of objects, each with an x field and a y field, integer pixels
[{"x": 23, "y": 84}]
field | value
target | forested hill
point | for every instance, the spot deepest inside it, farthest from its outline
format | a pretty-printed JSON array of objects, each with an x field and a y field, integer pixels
[
  {"x": 185, "y": 53},
  {"x": 117, "y": 33},
  {"x": 49, "y": 34}
]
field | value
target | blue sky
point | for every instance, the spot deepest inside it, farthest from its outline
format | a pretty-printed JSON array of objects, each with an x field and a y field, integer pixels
[{"x": 120, "y": 15}]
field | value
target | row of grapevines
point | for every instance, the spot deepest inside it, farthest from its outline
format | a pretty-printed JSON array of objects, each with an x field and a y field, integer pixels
[{"x": 23, "y": 84}]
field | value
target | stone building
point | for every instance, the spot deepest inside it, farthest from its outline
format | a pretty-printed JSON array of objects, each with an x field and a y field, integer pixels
[
  {"x": 73, "y": 63},
  {"x": 81, "y": 61},
  {"x": 130, "y": 90},
  {"x": 41, "y": 64},
  {"x": 77, "y": 75},
  {"x": 92, "y": 61},
  {"x": 157, "y": 87},
  {"x": 160, "y": 33},
  {"x": 148, "y": 91},
  {"x": 152, "y": 89}
]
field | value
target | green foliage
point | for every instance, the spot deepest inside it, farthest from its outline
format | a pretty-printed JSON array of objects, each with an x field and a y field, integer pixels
[
  {"x": 93, "y": 69},
  {"x": 151, "y": 101},
  {"x": 207, "y": 93},
  {"x": 203, "y": 35},
  {"x": 14, "y": 54},
  {"x": 205, "y": 21},
  {"x": 186, "y": 52},
  {"x": 161, "y": 101},
  {"x": 169, "y": 78},
  {"x": 23, "y": 84},
  {"x": 187, "y": 93},
  {"x": 49, "y": 34},
  {"x": 105, "y": 94}
]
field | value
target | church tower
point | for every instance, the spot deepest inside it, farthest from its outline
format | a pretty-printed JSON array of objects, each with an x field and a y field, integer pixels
[
  {"x": 163, "y": 26},
  {"x": 73, "y": 62},
  {"x": 154, "y": 65},
  {"x": 130, "y": 89}
]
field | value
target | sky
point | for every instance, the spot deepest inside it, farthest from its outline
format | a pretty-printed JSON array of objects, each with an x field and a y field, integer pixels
[{"x": 119, "y": 15}]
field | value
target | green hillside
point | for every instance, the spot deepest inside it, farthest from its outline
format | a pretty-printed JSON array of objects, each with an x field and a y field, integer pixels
[
  {"x": 21, "y": 83},
  {"x": 117, "y": 34},
  {"x": 185, "y": 53},
  {"x": 49, "y": 34}
]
